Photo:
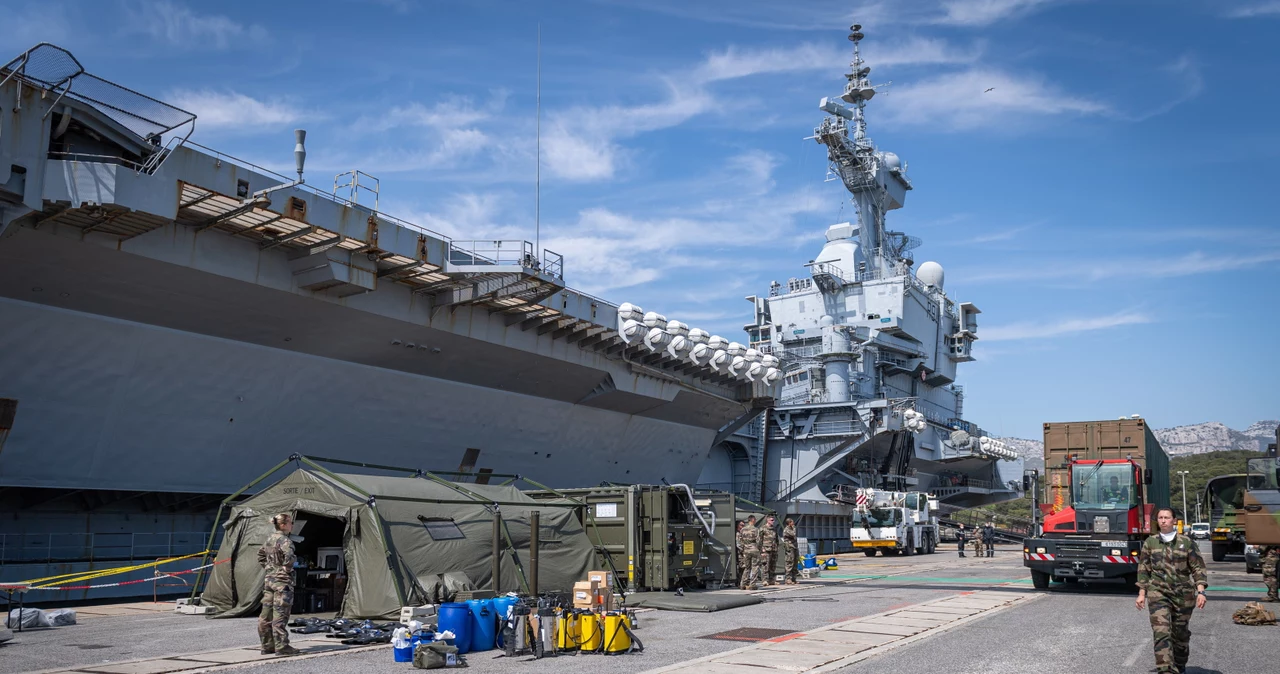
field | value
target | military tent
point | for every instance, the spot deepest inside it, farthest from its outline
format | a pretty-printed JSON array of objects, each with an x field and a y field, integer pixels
[{"x": 398, "y": 536}]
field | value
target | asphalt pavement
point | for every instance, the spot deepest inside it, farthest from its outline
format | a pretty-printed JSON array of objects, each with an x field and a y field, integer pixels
[{"x": 1079, "y": 628}]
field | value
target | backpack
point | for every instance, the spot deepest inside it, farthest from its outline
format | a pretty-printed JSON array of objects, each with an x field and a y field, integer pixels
[
  {"x": 1253, "y": 613},
  {"x": 436, "y": 655}
]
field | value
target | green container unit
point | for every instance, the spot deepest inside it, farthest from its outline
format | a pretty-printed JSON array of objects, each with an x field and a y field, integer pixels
[
  {"x": 651, "y": 537},
  {"x": 1093, "y": 440}
]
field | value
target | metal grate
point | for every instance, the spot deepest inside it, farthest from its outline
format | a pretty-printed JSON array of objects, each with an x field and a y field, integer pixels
[{"x": 748, "y": 634}]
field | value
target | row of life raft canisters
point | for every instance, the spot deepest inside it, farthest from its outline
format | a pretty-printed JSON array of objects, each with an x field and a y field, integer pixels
[{"x": 546, "y": 627}]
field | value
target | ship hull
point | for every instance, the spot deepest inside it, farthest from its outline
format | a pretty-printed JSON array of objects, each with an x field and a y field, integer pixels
[{"x": 143, "y": 408}]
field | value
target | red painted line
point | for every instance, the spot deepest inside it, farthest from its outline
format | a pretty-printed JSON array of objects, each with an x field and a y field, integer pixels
[
  {"x": 902, "y": 605},
  {"x": 786, "y": 637},
  {"x": 969, "y": 592}
]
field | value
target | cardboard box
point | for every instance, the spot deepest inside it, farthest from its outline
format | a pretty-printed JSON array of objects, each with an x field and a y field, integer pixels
[
  {"x": 602, "y": 578},
  {"x": 585, "y": 593}
]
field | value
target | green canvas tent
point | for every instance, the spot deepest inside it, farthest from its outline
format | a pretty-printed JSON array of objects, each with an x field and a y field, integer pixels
[{"x": 399, "y": 535}]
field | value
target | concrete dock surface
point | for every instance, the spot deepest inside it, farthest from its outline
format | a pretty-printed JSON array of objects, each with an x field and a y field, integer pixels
[{"x": 889, "y": 615}]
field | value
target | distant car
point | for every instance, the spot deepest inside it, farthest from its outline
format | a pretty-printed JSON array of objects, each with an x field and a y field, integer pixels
[
  {"x": 1200, "y": 530},
  {"x": 1252, "y": 560}
]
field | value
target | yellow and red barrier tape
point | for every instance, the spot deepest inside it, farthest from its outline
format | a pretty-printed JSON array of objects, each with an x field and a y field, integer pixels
[{"x": 51, "y": 582}]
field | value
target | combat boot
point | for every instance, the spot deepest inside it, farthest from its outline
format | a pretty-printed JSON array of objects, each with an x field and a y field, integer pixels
[
  {"x": 268, "y": 649},
  {"x": 287, "y": 651}
]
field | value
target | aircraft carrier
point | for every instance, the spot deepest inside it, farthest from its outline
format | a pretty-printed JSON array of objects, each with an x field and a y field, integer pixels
[
  {"x": 175, "y": 321},
  {"x": 869, "y": 345}
]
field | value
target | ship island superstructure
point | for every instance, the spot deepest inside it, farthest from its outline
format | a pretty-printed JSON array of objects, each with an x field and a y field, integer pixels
[
  {"x": 175, "y": 321},
  {"x": 869, "y": 347}
]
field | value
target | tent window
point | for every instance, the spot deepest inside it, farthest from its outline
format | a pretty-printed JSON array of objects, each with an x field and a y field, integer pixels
[{"x": 441, "y": 528}]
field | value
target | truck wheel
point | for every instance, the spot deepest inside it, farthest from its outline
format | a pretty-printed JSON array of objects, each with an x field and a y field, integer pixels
[
  {"x": 910, "y": 548},
  {"x": 928, "y": 546},
  {"x": 1040, "y": 579},
  {"x": 869, "y": 553},
  {"x": 1219, "y": 552}
]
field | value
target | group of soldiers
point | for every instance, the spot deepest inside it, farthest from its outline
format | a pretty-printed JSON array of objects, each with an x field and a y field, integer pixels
[
  {"x": 758, "y": 552},
  {"x": 984, "y": 539}
]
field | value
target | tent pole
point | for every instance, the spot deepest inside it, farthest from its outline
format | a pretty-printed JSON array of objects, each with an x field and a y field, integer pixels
[
  {"x": 534, "y": 526},
  {"x": 497, "y": 551},
  {"x": 334, "y": 476},
  {"x": 213, "y": 531}
]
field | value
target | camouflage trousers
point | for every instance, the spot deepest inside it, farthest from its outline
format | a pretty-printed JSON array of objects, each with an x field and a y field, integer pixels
[
  {"x": 277, "y": 602},
  {"x": 1269, "y": 577},
  {"x": 977, "y": 547},
  {"x": 750, "y": 568},
  {"x": 768, "y": 559},
  {"x": 1171, "y": 630},
  {"x": 789, "y": 559}
]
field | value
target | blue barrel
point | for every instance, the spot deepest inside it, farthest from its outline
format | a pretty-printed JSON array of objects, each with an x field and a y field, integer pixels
[
  {"x": 484, "y": 624},
  {"x": 809, "y": 562},
  {"x": 456, "y": 618}
]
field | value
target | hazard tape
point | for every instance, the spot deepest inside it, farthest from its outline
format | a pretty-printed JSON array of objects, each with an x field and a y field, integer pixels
[
  {"x": 101, "y": 573},
  {"x": 1119, "y": 559},
  {"x": 1038, "y": 557},
  {"x": 152, "y": 579}
]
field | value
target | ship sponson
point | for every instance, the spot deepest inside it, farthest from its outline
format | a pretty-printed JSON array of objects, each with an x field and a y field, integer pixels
[{"x": 167, "y": 326}]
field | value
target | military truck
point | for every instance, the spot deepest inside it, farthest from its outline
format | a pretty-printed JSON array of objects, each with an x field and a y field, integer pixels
[
  {"x": 1262, "y": 498},
  {"x": 1224, "y": 496},
  {"x": 894, "y": 522},
  {"x": 1104, "y": 481}
]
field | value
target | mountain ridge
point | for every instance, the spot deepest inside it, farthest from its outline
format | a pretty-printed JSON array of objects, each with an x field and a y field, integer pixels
[{"x": 1209, "y": 436}]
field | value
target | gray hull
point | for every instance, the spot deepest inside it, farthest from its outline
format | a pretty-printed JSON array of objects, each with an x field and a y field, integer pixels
[{"x": 107, "y": 402}]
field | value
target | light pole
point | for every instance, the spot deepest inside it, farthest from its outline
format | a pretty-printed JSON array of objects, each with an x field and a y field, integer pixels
[{"x": 1183, "y": 473}]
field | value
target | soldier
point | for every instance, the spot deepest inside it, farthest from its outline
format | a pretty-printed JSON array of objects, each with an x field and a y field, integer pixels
[
  {"x": 791, "y": 551},
  {"x": 989, "y": 538},
  {"x": 960, "y": 533},
  {"x": 977, "y": 541},
  {"x": 742, "y": 557},
  {"x": 1114, "y": 492},
  {"x": 768, "y": 549},
  {"x": 749, "y": 539},
  {"x": 1169, "y": 567},
  {"x": 1270, "y": 559},
  {"x": 276, "y": 559}
]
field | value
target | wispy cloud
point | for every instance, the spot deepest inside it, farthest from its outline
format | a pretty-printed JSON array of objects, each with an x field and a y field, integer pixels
[
  {"x": 961, "y": 100},
  {"x": 1000, "y": 235},
  {"x": 986, "y": 12},
  {"x": 1268, "y": 8},
  {"x": 181, "y": 27},
  {"x": 1048, "y": 330},
  {"x": 233, "y": 110},
  {"x": 1191, "y": 264},
  {"x": 1185, "y": 72},
  {"x": 581, "y": 144}
]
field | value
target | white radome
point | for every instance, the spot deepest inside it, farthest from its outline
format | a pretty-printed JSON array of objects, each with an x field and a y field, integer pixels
[{"x": 931, "y": 274}]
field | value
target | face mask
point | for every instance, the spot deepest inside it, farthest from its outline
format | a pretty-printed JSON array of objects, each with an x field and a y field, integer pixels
[{"x": 1168, "y": 537}]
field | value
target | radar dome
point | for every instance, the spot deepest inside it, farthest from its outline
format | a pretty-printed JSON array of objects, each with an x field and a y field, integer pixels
[
  {"x": 892, "y": 161},
  {"x": 931, "y": 274},
  {"x": 844, "y": 230}
]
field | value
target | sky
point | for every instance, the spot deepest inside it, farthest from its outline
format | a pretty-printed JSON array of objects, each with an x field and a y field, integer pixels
[{"x": 1110, "y": 204}]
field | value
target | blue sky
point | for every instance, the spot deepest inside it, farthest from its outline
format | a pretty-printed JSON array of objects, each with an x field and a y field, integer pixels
[{"x": 1110, "y": 205}]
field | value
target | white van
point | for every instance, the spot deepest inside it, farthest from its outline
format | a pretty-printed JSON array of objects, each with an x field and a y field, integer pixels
[{"x": 1200, "y": 530}]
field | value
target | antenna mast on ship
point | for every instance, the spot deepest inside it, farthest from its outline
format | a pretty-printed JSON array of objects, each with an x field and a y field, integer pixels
[{"x": 876, "y": 180}]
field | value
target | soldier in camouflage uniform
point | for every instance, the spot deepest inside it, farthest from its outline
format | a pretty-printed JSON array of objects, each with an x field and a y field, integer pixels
[
  {"x": 977, "y": 541},
  {"x": 768, "y": 549},
  {"x": 749, "y": 541},
  {"x": 791, "y": 551},
  {"x": 741, "y": 556},
  {"x": 1171, "y": 584},
  {"x": 276, "y": 559},
  {"x": 1270, "y": 559}
]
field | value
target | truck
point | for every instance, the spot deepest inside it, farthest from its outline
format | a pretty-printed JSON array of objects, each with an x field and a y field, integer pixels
[
  {"x": 1104, "y": 482},
  {"x": 1262, "y": 498},
  {"x": 1224, "y": 496},
  {"x": 894, "y": 522}
]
